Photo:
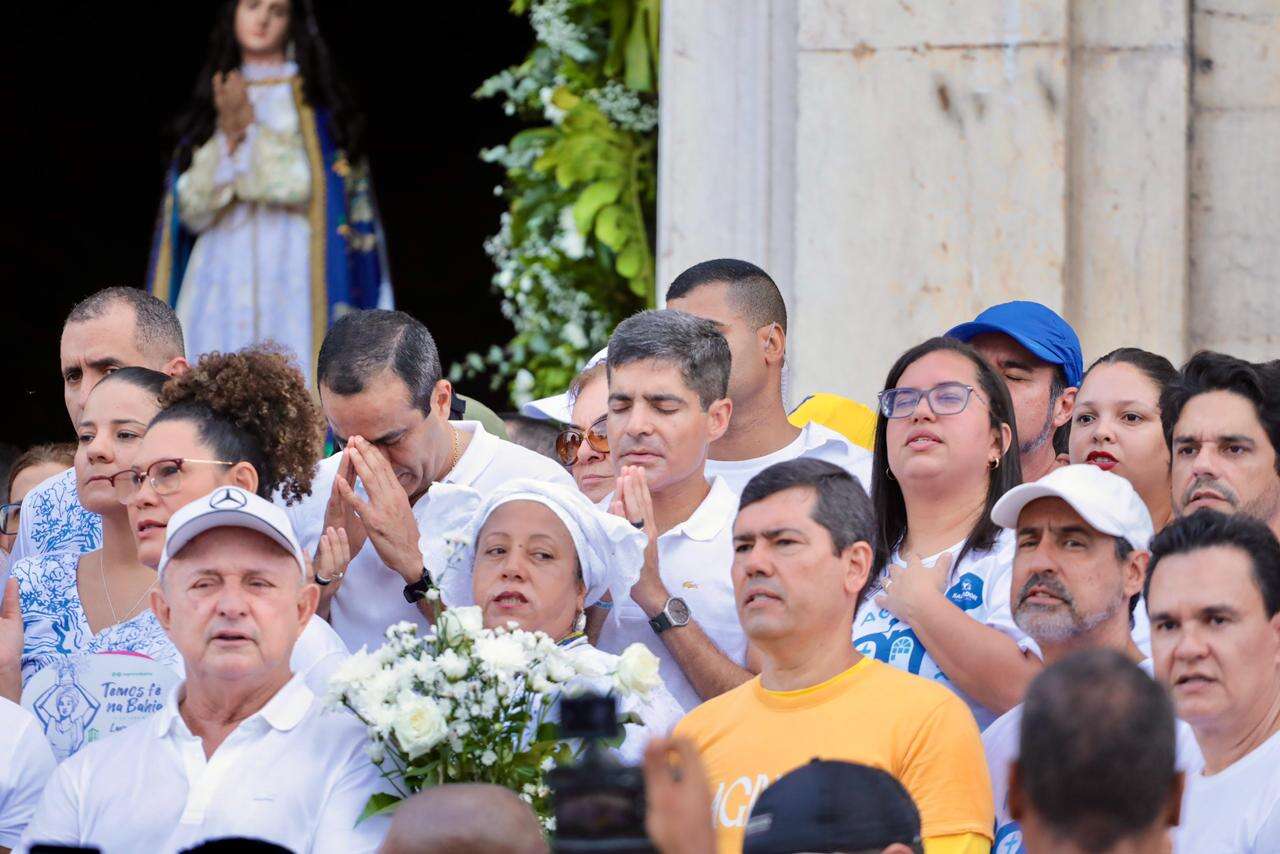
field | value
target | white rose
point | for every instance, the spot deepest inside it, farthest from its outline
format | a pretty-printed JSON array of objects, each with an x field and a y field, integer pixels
[
  {"x": 502, "y": 653},
  {"x": 465, "y": 622},
  {"x": 488, "y": 758},
  {"x": 638, "y": 670},
  {"x": 451, "y": 664},
  {"x": 419, "y": 726},
  {"x": 559, "y": 667},
  {"x": 358, "y": 667}
]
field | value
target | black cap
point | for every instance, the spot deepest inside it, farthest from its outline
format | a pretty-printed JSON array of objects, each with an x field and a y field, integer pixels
[{"x": 832, "y": 806}]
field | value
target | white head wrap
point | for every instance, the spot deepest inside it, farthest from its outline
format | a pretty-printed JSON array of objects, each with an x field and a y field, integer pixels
[{"x": 610, "y": 550}]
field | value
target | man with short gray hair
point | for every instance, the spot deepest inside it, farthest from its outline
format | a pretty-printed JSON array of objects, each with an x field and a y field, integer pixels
[
  {"x": 242, "y": 747},
  {"x": 668, "y": 378},
  {"x": 113, "y": 328}
]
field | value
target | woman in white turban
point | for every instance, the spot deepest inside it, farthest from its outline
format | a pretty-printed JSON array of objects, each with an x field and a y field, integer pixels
[{"x": 537, "y": 554}]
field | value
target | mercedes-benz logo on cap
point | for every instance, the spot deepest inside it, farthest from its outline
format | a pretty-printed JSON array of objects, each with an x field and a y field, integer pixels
[{"x": 228, "y": 498}]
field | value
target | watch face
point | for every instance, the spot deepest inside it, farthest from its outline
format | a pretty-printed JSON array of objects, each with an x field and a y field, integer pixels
[{"x": 677, "y": 611}]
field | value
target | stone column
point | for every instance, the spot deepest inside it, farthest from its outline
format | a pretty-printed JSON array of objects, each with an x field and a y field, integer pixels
[{"x": 1235, "y": 178}]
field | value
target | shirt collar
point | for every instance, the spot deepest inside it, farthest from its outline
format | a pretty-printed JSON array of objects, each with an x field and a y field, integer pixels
[
  {"x": 476, "y": 458},
  {"x": 284, "y": 711},
  {"x": 814, "y": 435},
  {"x": 716, "y": 510}
]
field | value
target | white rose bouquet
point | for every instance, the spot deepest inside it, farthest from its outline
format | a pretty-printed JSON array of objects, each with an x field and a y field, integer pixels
[{"x": 466, "y": 704}]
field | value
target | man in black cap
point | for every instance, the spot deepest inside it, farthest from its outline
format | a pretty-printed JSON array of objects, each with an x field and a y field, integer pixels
[{"x": 834, "y": 806}]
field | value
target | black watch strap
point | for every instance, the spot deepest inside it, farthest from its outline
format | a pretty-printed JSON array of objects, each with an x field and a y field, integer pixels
[
  {"x": 660, "y": 623},
  {"x": 418, "y": 589}
]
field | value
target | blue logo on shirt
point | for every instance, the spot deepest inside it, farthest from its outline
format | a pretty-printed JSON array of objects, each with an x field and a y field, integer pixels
[
  {"x": 966, "y": 593},
  {"x": 1008, "y": 840},
  {"x": 899, "y": 647}
]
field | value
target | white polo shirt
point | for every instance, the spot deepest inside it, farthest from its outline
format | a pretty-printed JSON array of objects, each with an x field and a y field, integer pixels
[
  {"x": 293, "y": 774},
  {"x": 1001, "y": 741},
  {"x": 816, "y": 441},
  {"x": 25, "y": 765},
  {"x": 695, "y": 560},
  {"x": 372, "y": 596}
]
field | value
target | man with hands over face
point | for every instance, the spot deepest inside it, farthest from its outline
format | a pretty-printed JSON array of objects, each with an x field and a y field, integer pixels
[
  {"x": 384, "y": 398},
  {"x": 668, "y": 379}
]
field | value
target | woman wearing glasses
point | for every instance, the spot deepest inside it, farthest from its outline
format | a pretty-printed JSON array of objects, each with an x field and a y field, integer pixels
[
  {"x": 945, "y": 451},
  {"x": 95, "y": 602},
  {"x": 29, "y": 470},
  {"x": 237, "y": 419},
  {"x": 583, "y": 447}
]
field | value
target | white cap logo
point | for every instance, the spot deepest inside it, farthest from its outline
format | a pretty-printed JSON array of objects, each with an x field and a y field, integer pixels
[{"x": 228, "y": 498}]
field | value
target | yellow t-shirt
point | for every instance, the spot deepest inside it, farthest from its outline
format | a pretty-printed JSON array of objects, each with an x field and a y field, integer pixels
[
  {"x": 851, "y": 419},
  {"x": 872, "y": 714}
]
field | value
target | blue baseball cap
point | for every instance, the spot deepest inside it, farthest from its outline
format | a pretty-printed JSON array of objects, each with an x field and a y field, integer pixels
[{"x": 1036, "y": 327}]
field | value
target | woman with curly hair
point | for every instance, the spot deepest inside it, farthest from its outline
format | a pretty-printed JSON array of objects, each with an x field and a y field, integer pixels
[
  {"x": 268, "y": 224},
  {"x": 237, "y": 419}
]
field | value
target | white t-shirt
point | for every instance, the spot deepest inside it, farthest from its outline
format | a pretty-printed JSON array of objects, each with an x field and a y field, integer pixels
[
  {"x": 1237, "y": 810},
  {"x": 695, "y": 560},
  {"x": 1001, "y": 740},
  {"x": 979, "y": 586},
  {"x": 372, "y": 596},
  {"x": 816, "y": 441},
  {"x": 25, "y": 765},
  {"x": 293, "y": 774}
]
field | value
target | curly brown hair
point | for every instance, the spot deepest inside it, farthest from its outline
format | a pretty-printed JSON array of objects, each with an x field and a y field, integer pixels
[{"x": 253, "y": 406}]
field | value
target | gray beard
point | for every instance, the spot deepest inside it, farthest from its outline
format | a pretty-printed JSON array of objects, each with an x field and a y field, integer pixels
[{"x": 1049, "y": 626}]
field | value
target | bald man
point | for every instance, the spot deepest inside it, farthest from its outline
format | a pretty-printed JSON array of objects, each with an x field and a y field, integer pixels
[{"x": 464, "y": 818}]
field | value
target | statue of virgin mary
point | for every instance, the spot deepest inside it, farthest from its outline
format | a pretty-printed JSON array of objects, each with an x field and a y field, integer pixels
[{"x": 268, "y": 228}]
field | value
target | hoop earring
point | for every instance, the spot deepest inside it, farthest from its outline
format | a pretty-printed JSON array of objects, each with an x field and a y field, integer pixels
[
  {"x": 994, "y": 464},
  {"x": 888, "y": 472}
]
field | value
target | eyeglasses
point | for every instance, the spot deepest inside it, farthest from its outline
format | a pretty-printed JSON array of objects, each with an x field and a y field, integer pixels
[
  {"x": 944, "y": 399},
  {"x": 165, "y": 477},
  {"x": 570, "y": 440},
  {"x": 9, "y": 517}
]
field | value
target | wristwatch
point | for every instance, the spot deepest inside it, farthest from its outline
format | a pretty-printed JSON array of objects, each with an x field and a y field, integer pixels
[
  {"x": 418, "y": 589},
  {"x": 673, "y": 615}
]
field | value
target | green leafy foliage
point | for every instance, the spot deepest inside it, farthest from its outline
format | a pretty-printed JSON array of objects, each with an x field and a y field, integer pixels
[{"x": 574, "y": 250}]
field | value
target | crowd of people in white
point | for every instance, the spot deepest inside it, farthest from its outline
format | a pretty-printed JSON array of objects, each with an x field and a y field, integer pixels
[{"x": 909, "y": 588}]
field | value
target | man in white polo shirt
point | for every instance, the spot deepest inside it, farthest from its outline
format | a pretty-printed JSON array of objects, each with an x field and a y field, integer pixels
[
  {"x": 747, "y": 307},
  {"x": 386, "y": 400},
  {"x": 242, "y": 747},
  {"x": 1078, "y": 567},
  {"x": 668, "y": 377}
]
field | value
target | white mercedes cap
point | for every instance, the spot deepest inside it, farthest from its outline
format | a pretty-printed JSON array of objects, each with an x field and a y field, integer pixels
[
  {"x": 558, "y": 407},
  {"x": 1107, "y": 501},
  {"x": 230, "y": 507}
]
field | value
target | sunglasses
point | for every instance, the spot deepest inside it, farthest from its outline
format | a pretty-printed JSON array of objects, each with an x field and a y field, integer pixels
[{"x": 570, "y": 440}]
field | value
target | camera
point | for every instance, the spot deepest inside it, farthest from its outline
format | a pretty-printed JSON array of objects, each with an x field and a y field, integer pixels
[{"x": 599, "y": 802}]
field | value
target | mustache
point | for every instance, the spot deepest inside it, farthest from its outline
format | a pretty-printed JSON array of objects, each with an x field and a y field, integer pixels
[
  {"x": 1048, "y": 583},
  {"x": 1208, "y": 481}
]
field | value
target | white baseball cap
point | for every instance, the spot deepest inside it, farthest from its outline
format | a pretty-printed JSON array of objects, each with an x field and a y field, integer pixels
[
  {"x": 1107, "y": 501},
  {"x": 558, "y": 407},
  {"x": 230, "y": 507}
]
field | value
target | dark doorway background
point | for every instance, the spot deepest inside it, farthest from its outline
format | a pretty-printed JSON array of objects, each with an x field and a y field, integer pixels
[{"x": 88, "y": 89}]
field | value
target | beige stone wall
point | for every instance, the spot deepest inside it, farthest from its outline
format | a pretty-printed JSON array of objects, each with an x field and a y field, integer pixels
[{"x": 899, "y": 164}]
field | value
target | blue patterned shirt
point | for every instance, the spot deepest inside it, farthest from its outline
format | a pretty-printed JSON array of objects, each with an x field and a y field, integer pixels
[
  {"x": 53, "y": 520},
  {"x": 56, "y": 627}
]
